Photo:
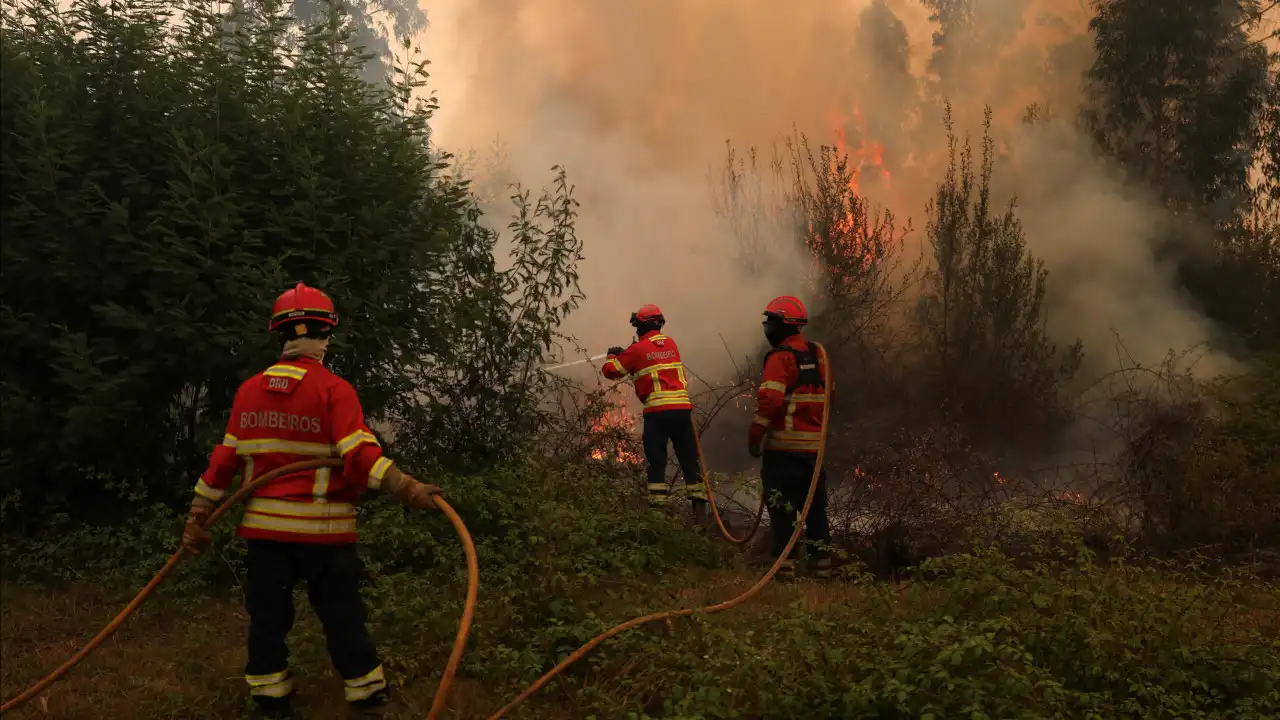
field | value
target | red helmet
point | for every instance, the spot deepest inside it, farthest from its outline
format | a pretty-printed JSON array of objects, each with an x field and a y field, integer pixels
[
  {"x": 304, "y": 304},
  {"x": 645, "y": 314},
  {"x": 787, "y": 309}
]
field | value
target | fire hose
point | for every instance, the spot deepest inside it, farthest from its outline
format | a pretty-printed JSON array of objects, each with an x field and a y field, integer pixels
[
  {"x": 459, "y": 643},
  {"x": 719, "y": 607},
  {"x": 711, "y": 495}
]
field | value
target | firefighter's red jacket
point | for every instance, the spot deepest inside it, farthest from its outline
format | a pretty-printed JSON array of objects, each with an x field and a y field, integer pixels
[
  {"x": 790, "y": 399},
  {"x": 297, "y": 410},
  {"x": 653, "y": 362}
]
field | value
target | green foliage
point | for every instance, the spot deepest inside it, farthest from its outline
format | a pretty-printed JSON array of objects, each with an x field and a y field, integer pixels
[
  {"x": 1204, "y": 470},
  {"x": 165, "y": 180},
  {"x": 988, "y": 638},
  {"x": 566, "y": 554},
  {"x": 374, "y": 25},
  {"x": 1176, "y": 89},
  {"x": 983, "y": 312}
]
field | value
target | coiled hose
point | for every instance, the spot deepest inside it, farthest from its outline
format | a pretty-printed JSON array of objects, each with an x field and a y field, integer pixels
[
  {"x": 719, "y": 607},
  {"x": 459, "y": 643}
]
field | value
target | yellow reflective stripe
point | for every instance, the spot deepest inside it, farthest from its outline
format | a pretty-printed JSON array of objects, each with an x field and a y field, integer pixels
[
  {"x": 761, "y": 420},
  {"x": 664, "y": 366},
  {"x": 805, "y": 435},
  {"x": 788, "y": 421},
  {"x": 379, "y": 471},
  {"x": 275, "y": 506},
  {"x": 320, "y": 488},
  {"x": 302, "y": 526},
  {"x": 293, "y": 372},
  {"x": 773, "y": 385},
  {"x": 660, "y": 488},
  {"x": 354, "y": 440},
  {"x": 229, "y": 440},
  {"x": 792, "y": 443},
  {"x": 205, "y": 490},
  {"x": 613, "y": 362},
  {"x": 275, "y": 445},
  {"x": 266, "y": 679},
  {"x": 274, "y": 685},
  {"x": 668, "y": 401},
  {"x": 365, "y": 685},
  {"x": 695, "y": 491}
]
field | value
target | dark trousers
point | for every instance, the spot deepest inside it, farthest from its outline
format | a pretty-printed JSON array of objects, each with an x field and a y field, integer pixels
[
  {"x": 332, "y": 574},
  {"x": 786, "y": 477},
  {"x": 675, "y": 426}
]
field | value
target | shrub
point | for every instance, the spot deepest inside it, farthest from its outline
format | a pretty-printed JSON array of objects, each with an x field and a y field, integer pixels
[{"x": 166, "y": 177}]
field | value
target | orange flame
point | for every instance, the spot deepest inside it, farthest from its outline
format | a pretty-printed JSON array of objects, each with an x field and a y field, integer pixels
[
  {"x": 614, "y": 421},
  {"x": 866, "y": 155}
]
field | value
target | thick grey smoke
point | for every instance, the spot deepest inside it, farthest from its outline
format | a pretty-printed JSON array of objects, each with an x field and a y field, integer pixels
[{"x": 637, "y": 99}]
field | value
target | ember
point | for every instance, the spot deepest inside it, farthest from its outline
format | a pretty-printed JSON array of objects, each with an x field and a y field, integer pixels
[{"x": 613, "y": 429}]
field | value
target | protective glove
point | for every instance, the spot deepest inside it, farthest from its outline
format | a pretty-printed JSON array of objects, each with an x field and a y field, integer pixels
[
  {"x": 406, "y": 488},
  {"x": 421, "y": 495},
  {"x": 194, "y": 537},
  {"x": 615, "y": 351}
]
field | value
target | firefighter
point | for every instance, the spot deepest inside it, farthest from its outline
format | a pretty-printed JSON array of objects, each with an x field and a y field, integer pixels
[
  {"x": 787, "y": 431},
  {"x": 302, "y": 526},
  {"x": 653, "y": 362}
]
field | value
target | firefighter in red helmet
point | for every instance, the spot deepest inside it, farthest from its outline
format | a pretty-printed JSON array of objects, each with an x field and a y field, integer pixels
[
  {"x": 302, "y": 526},
  {"x": 653, "y": 362},
  {"x": 787, "y": 431}
]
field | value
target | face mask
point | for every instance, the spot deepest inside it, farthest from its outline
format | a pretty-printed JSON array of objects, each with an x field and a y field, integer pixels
[{"x": 775, "y": 332}]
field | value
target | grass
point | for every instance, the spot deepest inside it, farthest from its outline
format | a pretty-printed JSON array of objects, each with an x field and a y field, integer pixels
[{"x": 1049, "y": 633}]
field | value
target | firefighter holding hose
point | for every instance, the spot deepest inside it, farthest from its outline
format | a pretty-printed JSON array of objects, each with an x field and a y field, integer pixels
[
  {"x": 787, "y": 432},
  {"x": 302, "y": 526},
  {"x": 653, "y": 362}
]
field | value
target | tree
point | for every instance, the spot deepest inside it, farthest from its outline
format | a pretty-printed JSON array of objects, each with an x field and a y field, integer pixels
[
  {"x": 1174, "y": 95},
  {"x": 164, "y": 181},
  {"x": 983, "y": 312},
  {"x": 374, "y": 25}
]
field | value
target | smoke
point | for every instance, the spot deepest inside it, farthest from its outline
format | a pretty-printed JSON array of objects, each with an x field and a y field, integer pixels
[{"x": 637, "y": 99}]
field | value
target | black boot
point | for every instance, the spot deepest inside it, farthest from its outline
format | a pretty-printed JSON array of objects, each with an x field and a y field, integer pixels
[
  {"x": 374, "y": 706},
  {"x": 274, "y": 708},
  {"x": 786, "y": 572},
  {"x": 700, "y": 516}
]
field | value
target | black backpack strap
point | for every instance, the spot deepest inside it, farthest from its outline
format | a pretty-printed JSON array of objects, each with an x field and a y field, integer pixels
[{"x": 806, "y": 363}]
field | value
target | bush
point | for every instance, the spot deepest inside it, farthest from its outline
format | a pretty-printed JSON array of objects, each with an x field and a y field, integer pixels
[
  {"x": 165, "y": 178},
  {"x": 567, "y": 554},
  {"x": 983, "y": 312},
  {"x": 987, "y": 637}
]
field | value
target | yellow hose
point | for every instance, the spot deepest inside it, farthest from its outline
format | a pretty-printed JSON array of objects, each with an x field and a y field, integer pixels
[
  {"x": 720, "y": 607},
  {"x": 464, "y": 628}
]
